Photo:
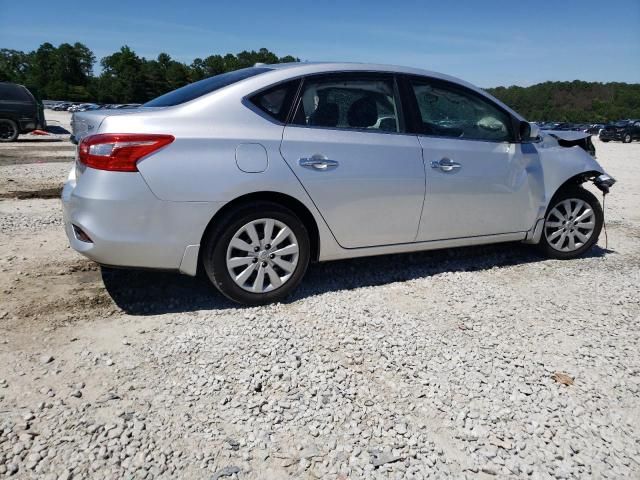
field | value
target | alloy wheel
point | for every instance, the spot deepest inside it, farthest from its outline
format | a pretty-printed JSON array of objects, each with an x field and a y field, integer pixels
[
  {"x": 569, "y": 225},
  {"x": 262, "y": 255}
]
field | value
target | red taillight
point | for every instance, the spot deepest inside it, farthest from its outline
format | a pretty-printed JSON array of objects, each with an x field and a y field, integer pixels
[{"x": 119, "y": 152}]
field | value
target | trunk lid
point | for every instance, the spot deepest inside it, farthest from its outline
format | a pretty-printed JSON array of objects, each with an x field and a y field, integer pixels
[{"x": 88, "y": 123}]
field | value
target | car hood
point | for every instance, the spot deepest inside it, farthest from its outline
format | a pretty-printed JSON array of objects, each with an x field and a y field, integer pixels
[{"x": 567, "y": 135}]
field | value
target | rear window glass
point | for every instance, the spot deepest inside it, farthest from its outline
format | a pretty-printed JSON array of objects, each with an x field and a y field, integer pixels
[
  {"x": 276, "y": 101},
  {"x": 14, "y": 92},
  {"x": 208, "y": 85}
]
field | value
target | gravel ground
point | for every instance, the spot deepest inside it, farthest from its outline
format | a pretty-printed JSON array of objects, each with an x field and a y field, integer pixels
[{"x": 460, "y": 363}]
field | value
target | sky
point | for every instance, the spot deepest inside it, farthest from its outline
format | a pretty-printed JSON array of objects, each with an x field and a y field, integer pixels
[{"x": 486, "y": 42}]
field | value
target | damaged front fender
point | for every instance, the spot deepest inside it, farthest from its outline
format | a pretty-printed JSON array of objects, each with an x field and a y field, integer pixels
[{"x": 565, "y": 158}]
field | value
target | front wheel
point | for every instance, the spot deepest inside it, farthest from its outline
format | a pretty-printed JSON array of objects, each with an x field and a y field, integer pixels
[
  {"x": 257, "y": 254},
  {"x": 627, "y": 138},
  {"x": 572, "y": 224}
]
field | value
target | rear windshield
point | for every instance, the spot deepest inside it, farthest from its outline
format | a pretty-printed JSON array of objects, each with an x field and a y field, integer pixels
[
  {"x": 208, "y": 85},
  {"x": 13, "y": 92}
]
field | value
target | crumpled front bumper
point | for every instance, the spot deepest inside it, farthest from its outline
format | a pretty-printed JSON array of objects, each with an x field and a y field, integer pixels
[{"x": 604, "y": 182}]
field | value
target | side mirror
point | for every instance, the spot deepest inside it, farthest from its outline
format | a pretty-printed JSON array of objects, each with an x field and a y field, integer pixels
[{"x": 529, "y": 131}]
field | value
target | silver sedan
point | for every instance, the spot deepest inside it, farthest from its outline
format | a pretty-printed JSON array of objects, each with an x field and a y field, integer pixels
[{"x": 251, "y": 175}]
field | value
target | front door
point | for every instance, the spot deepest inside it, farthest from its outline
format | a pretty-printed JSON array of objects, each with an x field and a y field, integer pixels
[
  {"x": 477, "y": 177},
  {"x": 347, "y": 147}
]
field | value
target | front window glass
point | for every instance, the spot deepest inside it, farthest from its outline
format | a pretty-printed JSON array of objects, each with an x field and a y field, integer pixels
[
  {"x": 348, "y": 102},
  {"x": 451, "y": 112},
  {"x": 202, "y": 87}
]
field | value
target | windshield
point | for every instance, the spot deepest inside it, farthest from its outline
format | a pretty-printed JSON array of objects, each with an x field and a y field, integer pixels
[{"x": 208, "y": 85}]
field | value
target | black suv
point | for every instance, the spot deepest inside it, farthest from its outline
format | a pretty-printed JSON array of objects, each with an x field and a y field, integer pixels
[
  {"x": 20, "y": 112},
  {"x": 624, "y": 130}
]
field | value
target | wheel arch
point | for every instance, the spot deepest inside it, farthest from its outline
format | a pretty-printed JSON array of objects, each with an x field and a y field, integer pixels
[
  {"x": 574, "y": 181},
  {"x": 283, "y": 199}
]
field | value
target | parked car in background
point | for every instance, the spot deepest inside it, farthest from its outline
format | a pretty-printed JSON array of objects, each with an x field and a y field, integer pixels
[
  {"x": 624, "y": 131},
  {"x": 20, "y": 111},
  {"x": 61, "y": 106},
  {"x": 87, "y": 106},
  {"x": 127, "y": 105},
  {"x": 77, "y": 107},
  {"x": 249, "y": 175},
  {"x": 595, "y": 128}
]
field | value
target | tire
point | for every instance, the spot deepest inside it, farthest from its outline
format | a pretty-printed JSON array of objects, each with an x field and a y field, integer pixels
[
  {"x": 627, "y": 138},
  {"x": 8, "y": 130},
  {"x": 236, "y": 227},
  {"x": 559, "y": 218}
]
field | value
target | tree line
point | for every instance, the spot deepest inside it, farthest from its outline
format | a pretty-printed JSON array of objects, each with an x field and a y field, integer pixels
[
  {"x": 576, "y": 101},
  {"x": 66, "y": 72}
]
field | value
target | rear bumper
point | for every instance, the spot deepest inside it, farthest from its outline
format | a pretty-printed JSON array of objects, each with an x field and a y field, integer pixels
[{"x": 127, "y": 226}]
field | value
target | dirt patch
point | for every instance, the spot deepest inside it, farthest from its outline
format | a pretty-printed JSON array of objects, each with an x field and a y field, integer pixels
[
  {"x": 45, "y": 284},
  {"x": 49, "y": 158},
  {"x": 42, "y": 193}
]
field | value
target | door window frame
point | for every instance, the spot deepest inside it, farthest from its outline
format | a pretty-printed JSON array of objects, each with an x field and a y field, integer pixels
[
  {"x": 353, "y": 75},
  {"x": 414, "y": 117}
]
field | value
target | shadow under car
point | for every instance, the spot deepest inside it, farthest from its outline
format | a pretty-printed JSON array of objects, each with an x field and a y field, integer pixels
[{"x": 147, "y": 292}]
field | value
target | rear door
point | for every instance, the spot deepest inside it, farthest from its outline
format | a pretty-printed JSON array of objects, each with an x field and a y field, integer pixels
[
  {"x": 347, "y": 146},
  {"x": 477, "y": 176}
]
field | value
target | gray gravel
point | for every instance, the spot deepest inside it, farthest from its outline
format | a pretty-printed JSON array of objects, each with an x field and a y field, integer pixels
[
  {"x": 33, "y": 215},
  {"x": 468, "y": 363}
]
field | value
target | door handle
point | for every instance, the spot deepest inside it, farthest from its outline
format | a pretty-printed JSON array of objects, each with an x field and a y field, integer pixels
[
  {"x": 318, "y": 162},
  {"x": 446, "y": 165}
]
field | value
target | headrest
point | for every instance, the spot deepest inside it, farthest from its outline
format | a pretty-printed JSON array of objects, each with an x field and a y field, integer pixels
[{"x": 363, "y": 113}]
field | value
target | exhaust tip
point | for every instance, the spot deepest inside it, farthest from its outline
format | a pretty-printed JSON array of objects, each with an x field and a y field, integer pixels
[{"x": 81, "y": 235}]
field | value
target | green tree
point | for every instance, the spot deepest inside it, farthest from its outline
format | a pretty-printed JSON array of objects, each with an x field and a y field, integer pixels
[
  {"x": 575, "y": 101},
  {"x": 13, "y": 65},
  {"x": 122, "y": 77}
]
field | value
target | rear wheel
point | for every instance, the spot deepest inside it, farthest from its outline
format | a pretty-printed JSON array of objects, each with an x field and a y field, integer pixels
[
  {"x": 572, "y": 224},
  {"x": 627, "y": 138},
  {"x": 257, "y": 254},
  {"x": 8, "y": 130}
]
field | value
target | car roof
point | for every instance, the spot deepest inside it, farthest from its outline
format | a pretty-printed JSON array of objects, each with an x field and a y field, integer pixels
[{"x": 309, "y": 67}]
